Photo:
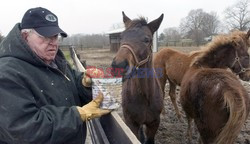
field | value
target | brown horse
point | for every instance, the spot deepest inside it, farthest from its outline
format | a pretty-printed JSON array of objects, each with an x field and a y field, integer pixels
[
  {"x": 174, "y": 65},
  {"x": 214, "y": 96},
  {"x": 142, "y": 97}
]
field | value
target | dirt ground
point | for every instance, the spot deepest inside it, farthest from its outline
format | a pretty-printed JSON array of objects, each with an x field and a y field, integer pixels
[{"x": 171, "y": 130}]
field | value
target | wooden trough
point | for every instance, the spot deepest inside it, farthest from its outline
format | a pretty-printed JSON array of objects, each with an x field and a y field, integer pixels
[{"x": 110, "y": 129}]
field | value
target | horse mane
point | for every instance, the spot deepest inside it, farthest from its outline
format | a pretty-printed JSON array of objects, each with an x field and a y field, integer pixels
[
  {"x": 235, "y": 39},
  {"x": 141, "y": 21},
  {"x": 194, "y": 53}
]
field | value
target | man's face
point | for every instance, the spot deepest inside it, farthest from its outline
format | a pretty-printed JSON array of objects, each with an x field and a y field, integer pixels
[{"x": 45, "y": 47}]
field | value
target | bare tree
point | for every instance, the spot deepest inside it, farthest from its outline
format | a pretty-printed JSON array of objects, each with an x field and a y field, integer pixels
[
  {"x": 191, "y": 26},
  {"x": 210, "y": 24},
  {"x": 87, "y": 40},
  {"x": 117, "y": 26},
  {"x": 199, "y": 24},
  {"x": 161, "y": 37},
  {"x": 238, "y": 15},
  {"x": 172, "y": 34}
]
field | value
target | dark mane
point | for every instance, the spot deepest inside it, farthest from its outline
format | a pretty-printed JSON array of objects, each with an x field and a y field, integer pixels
[{"x": 141, "y": 21}]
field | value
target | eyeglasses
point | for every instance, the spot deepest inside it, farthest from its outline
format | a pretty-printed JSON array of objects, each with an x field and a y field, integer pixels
[{"x": 47, "y": 39}]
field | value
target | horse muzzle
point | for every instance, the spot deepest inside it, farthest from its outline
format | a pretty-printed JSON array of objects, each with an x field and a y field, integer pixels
[
  {"x": 245, "y": 76},
  {"x": 119, "y": 69}
]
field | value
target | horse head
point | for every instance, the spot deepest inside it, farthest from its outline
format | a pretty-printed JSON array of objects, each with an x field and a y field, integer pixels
[
  {"x": 227, "y": 51},
  {"x": 136, "y": 42},
  {"x": 241, "y": 62}
]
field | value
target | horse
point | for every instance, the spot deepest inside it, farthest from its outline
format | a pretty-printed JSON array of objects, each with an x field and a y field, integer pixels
[
  {"x": 212, "y": 95},
  {"x": 174, "y": 64},
  {"x": 142, "y": 97}
]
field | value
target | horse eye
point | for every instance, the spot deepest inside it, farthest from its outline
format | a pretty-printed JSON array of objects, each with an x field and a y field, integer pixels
[
  {"x": 146, "y": 40},
  {"x": 246, "y": 57}
]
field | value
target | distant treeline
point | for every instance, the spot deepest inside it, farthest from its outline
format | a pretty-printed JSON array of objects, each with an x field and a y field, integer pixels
[
  {"x": 182, "y": 43},
  {"x": 86, "y": 41}
]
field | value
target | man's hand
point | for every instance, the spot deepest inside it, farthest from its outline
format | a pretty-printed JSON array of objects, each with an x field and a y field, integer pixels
[
  {"x": 92, "y": 110},
  {"x": 86, "y": 80},
  {"x": 91, "y": 73}
]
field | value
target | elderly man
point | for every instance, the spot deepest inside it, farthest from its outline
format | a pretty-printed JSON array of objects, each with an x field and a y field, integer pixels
[{"x": 42, "y": 100}]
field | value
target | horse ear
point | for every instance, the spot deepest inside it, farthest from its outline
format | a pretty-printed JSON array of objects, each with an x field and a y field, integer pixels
[
  {"x": 154, "y": 25},
  {"x": 126, "y": 20}
]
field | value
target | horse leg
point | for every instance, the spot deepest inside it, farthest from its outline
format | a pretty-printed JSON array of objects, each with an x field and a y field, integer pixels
[
  {"x": 151, "y": 130},
  {"x": 141, "y": 134},
  {"x": 200, "y": 140},
  {"x": 172, "y": 95},
  {"x": 163, "y": 81},
  {"x": 189, "y": 130},
  {"x": 136, "y": 129},
  {"x": 138, "y": 132}
]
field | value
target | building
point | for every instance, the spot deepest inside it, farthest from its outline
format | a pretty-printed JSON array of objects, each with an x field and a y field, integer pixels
[{"x": 114, "y": 39}]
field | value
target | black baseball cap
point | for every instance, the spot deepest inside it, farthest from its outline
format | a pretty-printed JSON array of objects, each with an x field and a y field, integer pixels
[{"x": 42, "y": 21}]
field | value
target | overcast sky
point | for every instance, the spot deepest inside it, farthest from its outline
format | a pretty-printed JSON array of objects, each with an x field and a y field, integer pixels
[{"x": 99, "y": 16}]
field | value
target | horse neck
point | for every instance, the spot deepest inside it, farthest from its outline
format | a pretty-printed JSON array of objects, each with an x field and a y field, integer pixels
[
  {"x": 222, "y": 58},
  {"x": 150, "y": 80},
  {"x": 146, "y": 87},
  {"x": 142, "y": 79}
]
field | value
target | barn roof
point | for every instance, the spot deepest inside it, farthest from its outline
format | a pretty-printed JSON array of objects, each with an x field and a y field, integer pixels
[{"x": 119, "y": 30}]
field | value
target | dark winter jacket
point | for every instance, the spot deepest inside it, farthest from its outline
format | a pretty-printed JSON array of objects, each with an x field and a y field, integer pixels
[{"x": 38, "y": 102}]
